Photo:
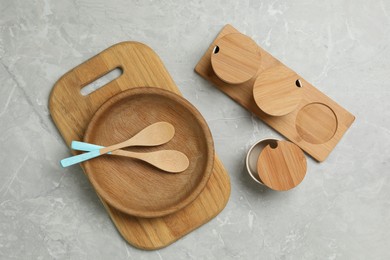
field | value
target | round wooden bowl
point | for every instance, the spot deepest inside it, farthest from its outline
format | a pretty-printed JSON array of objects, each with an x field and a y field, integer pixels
[{"x": 135, "y": 187}]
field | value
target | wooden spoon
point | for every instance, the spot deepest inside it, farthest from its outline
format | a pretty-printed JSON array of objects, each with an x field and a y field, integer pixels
[
  {"x": 167, "y": 160},
  {"x": 152, "y": 135}
]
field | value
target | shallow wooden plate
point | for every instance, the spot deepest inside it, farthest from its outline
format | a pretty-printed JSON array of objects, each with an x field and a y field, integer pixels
[{"x": 135, "y": 187}]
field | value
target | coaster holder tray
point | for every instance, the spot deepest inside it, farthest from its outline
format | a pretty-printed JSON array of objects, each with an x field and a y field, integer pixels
[{"x": 316, "y": 124}]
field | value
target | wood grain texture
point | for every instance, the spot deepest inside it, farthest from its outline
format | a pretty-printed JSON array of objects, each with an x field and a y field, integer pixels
[
  {"x": 157, "y": 133},
  {"x": 275, "y": 91},
  {"x": 171, "y": 161},
  {"x": 286, "y": 125},
  {"x": 282, "y": 167},
  {"x": 236, "y": 58},
  {"x": 134, "y": 187},
  {"x": 71, "y": 112},
  {"x": 313, "y": 130}
]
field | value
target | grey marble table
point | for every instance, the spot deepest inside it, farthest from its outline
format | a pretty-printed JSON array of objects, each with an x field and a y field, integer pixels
[{"x": 340, "y": 211}]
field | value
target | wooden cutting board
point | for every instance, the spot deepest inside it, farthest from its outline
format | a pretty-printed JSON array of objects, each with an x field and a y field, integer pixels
[
  {"x": 307, "y": 117},
  {"x": 71, "y": 112}
]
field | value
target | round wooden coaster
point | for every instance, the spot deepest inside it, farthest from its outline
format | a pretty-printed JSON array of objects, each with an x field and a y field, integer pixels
[
  {"x": 316, "y": 123},
  {"x": 236, "y": 58},
  {"x": 282, "y": 167},
  {"x": 277, "y": 91}
]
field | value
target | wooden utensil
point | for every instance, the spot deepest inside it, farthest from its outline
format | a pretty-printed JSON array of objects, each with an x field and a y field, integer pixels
[
  {"x": 152, "y": 135},
  {"x": 167, "y": 160},
  {"x": 71, "y": 113}
]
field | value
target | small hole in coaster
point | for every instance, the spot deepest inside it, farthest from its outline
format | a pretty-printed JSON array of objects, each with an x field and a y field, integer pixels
[
  {"x": 216, "y": 49},
  {"x": 273, "y": 145},
  {"x": 298, "y": 83},
  {"x": 101, "y": 82}
]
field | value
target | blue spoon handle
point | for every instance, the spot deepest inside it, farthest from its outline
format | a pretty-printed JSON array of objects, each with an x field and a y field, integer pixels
[
  {"x": 86, "y": 147},
  {"x": 79, "y": 158}
]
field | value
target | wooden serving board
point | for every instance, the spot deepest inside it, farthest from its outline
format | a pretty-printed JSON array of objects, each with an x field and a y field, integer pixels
[
  {"x": 316, "y": 125},
  {"x": 71, "y": 112}
]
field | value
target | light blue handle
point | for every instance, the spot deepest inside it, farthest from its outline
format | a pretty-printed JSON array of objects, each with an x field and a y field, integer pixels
[
  {"x": 82, "y": 146},
  {"x": 86, "y": 147},
  {"x": 79, "y": 158}
]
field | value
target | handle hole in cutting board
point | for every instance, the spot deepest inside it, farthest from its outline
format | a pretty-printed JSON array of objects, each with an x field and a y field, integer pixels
[{"x": 101, "y": 82}]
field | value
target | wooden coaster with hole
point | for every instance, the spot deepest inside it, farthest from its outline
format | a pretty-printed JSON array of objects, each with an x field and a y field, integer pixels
[
  {"x": 281, "y": 166},
  {"x": 298, "y": 110},
  {"x": 235, "y": 58},
  {"x": 276, "y": 91}
]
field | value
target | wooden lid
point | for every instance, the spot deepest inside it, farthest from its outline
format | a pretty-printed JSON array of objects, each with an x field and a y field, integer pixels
[
  {"x": 281, "y": 166},
  {"x": 235, "y": 58},
  {"x": 277, "y": 91}
]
